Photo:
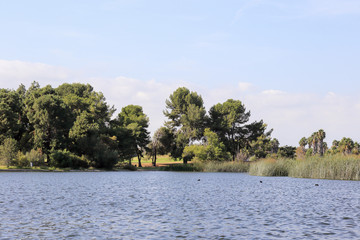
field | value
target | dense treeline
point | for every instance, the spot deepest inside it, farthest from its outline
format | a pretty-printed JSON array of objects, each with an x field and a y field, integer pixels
[
  {"x": 73, "y": 126},
  {"x": 67, "y": 126}
]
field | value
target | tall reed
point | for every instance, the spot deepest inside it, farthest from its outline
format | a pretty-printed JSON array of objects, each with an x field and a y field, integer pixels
[
  {"x": 212, "y": 166},
  {"x": 328, "y": 167},
  {"x": 271, "y": 167}
]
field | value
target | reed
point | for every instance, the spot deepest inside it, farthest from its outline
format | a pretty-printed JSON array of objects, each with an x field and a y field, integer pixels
[
  {"x": 213, "y": 166},
  {"x": 330, "y": 167},
  {"x": 271, "y": 167}
]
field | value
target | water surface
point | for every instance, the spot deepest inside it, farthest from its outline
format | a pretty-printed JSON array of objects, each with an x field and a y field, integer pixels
[{"x": 171, "y": 205}]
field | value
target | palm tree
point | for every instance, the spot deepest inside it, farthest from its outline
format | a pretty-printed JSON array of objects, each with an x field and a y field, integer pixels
[
  {"x": 346, "y": 145},
  {"x": 321, "y": 136},
  {"x": 303, "y": 142},
  {"x": 313, "y": 142}
]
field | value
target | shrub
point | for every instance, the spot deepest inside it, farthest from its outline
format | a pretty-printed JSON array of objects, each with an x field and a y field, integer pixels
[
  {"x": 130, "y": 167},
  {"x": 35, "y": 157},
  {"x": 22, "y": 161},
  {"x": 181, "y": 168},
  {"x": 66, "y": 159},
  {"x": 8, "y": 152}
]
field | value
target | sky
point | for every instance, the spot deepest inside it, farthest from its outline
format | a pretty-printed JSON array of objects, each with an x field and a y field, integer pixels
[{"x": 294, "y": 64}]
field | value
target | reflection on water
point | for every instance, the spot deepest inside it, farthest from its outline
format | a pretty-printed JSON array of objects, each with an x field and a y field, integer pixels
[{"x": 170, "y": 205}]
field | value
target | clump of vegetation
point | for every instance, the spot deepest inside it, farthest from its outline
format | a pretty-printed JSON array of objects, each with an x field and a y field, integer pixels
[
  {"x": 181, "y": 168},
  {"x": 228, "y": 166},
  {"x": 330, "y": 167},
  {"x": 271, "y": 167},
  {"x": 212, "y": 149},
  {"x": 66, "y": 159}
]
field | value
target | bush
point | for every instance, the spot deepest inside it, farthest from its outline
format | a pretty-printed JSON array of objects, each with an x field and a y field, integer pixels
[
  {"x": 8, "y": 152},
  {"x": 180, "y": 168},
  {"x": 130, "y": 167},
  {"x": 35, "y": 157},
  {"x": 22, "y": 161},
  {"x": 66, "y": 159},
  {"x": 228, "y": 166}
]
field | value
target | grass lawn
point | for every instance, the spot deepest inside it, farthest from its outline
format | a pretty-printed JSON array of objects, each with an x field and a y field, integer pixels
[{"x": 161, "y": 160}]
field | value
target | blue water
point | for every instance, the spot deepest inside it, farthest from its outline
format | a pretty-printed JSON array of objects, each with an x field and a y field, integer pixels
[{"x": 172, "y": 205}]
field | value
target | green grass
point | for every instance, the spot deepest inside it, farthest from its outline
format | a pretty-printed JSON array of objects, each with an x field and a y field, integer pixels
[{"x": 159, "y": 159}]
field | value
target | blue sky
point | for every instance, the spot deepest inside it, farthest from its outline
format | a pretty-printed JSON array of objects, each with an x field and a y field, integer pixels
[{"x": 294, "y": 64}]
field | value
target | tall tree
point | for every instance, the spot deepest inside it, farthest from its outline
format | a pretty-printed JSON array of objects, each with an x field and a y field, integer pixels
[
  {"x": 52, "y": 120},
  {"x": 303, "y": 142},
  {"x": 160, "y": 143},
  {"x": 346, "y": 145},
  {"x": 10, "y": 114},
  {"x": 133, "y": 118},
  {"x": 186, "y": 113},
  {"x": 321, "y": 136},
  {"x": 229, "y": 120}
]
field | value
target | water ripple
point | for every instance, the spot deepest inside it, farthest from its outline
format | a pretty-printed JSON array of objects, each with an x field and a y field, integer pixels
[{"x": 165, "y": 205}]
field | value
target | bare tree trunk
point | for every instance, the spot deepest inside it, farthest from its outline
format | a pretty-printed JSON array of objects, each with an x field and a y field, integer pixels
[
  {"x": 154, "y": 158},
  {"x": 139, "y": 158}
]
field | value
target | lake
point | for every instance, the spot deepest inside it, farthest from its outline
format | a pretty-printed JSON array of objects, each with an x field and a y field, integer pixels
[{"x": 173, "y": 205}]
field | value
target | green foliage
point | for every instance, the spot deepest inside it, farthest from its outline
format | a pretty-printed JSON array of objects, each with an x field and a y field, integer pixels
[
  {"x": 133, "y": 119},
  {"x": 286, "y": 152},
  {"x": 187, "y": 119},
  {"x": 213, "y": 149},
  {"x": 51, "y": 120},
  {"x": 180, "y": 168},
  {"x": 129, "y": 167},
  {"x": 227, "y": 166},
  {"x": 10, "y": 115},
  {"x": 66, "y": 159},
  {"x": 264, "y": 146},
  {"x": 22, "y": 161},
  {"x": 228, "y": 121},
  {"x": 36, "y": 157},
  {"x": 8, "y": 152}
]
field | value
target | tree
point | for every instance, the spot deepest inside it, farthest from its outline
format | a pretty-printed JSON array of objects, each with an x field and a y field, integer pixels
[
  {"x": 10, "y": 115},
  {"x": 8, "y": 151},
  {"x": 161, "y": 143},
  {"x": 303, "y": 142},
  {"x": 212, "y": 149},
  {"x": 263, "y": 146},
  {"x": 287, "y": 151},
  {"x": 132, "y": 118},
  {"x": 82, "y": 98},
  {"x": 83, "y": 135},
  {"x": 52, "y": 121},
  {"x": 346, "y": 145},
  {"x": 321, "y": 136},
  {"x": 187, "y": 119},
  {"x": 228, "y": 121}
]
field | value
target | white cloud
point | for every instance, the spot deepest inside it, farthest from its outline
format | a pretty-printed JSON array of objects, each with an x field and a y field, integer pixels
[
  {"x": 334, "y": 7},
  {"x": 244, "y": 86},
  {"x": 272, "y": 92},
  {"x": 19, "y": 71}
]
